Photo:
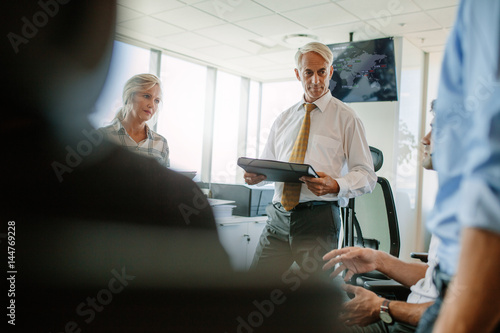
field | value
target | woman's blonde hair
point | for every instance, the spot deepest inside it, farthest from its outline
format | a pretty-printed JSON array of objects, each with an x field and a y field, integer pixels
[{"x": 139, "y": 82}]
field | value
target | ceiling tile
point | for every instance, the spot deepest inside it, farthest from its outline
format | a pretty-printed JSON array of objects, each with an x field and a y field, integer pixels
[
  {"x": 151, "y": 6},
  {"x": 227, "y": 33},
  {"x": 267, "y": 42},
  {"x": 222, "y": 52},
  {"x": 125, "y": 14},
  {"x": 271, "y": 25},
  {"x": 285, "y": 57},
  {"x": 289, "y": 41},
  {"x": 444, "y": 16},
  {"x": 401, "y": 24},
  {"x": 150, "y": 26},
  {"x": 248, "y": 46},
  {"x": 340, "y": 33},
  {"x": 428, "y": 38},
  {"x": 246, "y": 36},
  {"x": 191, "y": 2},
  {"x": 378, "y": 9},
  {"x": 255, "y": 62},
  {"x": 189, "y": 40},
  {"x": 432, "y": 4},
  {"x": 433, "y": 49},
  {"x": 320, "y": 16},
  {"x": 233, "y": 11},
  {"x": 286, "y": 5},
  {"x": 189, "y": 18}
]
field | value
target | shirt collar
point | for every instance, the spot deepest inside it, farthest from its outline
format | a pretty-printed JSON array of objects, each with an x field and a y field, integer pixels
[
  {"x": 321, "y": 102},
  {"x": 149, "y": 132},
  {"x": 117, "y": 125}
]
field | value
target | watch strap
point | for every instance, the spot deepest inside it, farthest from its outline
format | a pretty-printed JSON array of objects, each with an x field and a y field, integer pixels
[{"x": 384, "y": 312}]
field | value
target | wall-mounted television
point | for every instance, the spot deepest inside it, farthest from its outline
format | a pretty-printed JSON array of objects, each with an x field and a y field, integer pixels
[{"x": 364, "y": 71}]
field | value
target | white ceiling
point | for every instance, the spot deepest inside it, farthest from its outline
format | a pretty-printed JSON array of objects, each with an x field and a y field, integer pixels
[{"x": 247, "y": 36}]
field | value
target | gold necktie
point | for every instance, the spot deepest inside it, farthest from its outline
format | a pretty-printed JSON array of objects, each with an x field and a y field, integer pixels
[{"x": 291, "y": 191}]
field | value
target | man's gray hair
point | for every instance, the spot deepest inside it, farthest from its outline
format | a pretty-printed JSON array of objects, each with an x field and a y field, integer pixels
[{"x": 317, "y": 47}]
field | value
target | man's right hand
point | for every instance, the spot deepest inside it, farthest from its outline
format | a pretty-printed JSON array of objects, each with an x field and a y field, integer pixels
[
  {"x": 253, "y": 178},
  {"x": 355, "y": 260}
]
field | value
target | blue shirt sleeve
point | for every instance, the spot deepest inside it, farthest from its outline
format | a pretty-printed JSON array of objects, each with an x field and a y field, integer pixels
[{"x": 466, "y": 134}]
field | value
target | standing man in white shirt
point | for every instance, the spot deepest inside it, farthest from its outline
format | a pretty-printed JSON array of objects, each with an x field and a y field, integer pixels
[{"x": 336, "y": 147}]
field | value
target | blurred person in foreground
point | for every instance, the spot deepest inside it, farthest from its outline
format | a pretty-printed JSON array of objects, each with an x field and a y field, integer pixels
[
  {"x": 101, "y": 239},
  {"x": 466, "y": 215},
  {"x": 83, "y": 214}
]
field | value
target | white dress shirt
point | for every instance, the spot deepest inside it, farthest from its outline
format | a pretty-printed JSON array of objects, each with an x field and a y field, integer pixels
[
  {"x": 337, "y": 146},
  {"x": 424, "y": 290}
]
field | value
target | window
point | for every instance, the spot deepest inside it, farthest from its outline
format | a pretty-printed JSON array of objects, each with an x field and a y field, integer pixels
[
  {"x": 127, "y": 60},
  {"x": 226, "y": 117},
  {"x": 181, "y": 119},
  {"x": 253, "y": 130},
  {"x": 276, "y": 98},
  {"x": 240, "y": 126}
]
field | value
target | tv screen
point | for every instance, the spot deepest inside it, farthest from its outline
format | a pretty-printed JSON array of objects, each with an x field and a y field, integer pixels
[{"x": 364, "y": 71}]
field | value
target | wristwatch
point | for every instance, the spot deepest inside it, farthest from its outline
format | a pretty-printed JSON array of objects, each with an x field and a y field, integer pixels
[{"x": 384, "y": 312}]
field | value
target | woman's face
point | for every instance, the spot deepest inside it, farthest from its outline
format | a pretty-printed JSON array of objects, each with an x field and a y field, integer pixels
[{"x": 145, "y": 103}]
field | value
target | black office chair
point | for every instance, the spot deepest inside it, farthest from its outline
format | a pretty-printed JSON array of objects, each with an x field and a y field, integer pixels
[
  {"x": 363, "y": 211},
  {"x": 367, "y": 224}
]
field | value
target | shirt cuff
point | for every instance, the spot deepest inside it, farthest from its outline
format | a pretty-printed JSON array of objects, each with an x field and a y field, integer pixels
[{"x": 343, "y": 187}]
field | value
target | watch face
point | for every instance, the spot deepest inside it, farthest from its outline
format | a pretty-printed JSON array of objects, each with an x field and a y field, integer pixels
[{"x": 386, "y": 318}]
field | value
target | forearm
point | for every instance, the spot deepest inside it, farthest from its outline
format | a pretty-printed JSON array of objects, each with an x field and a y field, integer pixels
[
  {"x": 408, "y": 313},
  {"x": 473, "y": 298},
  {"x": 403, "y": 272},
  {"x": 357, "y": 182}
]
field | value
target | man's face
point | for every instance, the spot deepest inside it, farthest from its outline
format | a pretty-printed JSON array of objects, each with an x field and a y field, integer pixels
[
  {"x": 427, "y": 143},
  {"x": 315, "y": 74}
]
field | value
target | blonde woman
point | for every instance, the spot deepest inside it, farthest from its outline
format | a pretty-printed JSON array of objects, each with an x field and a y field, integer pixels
[{"x": 141, "y": 100}]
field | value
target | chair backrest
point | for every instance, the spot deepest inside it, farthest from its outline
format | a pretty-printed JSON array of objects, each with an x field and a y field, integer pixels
[
  {"x": 375, "y": 214},
  {"x": 377, "y": 157}
]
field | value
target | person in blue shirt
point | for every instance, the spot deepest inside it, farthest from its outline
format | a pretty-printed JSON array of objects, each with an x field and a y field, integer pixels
[{"x": 466, "y": 216}]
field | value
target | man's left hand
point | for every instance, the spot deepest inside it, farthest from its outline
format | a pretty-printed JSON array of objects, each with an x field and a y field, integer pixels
[
  {"x": 363, "y": 309},
  {"x": 322, "y": 185}
]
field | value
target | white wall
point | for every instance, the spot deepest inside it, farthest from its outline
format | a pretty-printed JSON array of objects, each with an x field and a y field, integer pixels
[
  {"x": 380, "y": 120},
  {"x": 394, "y": 128}
]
